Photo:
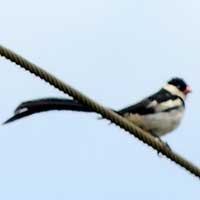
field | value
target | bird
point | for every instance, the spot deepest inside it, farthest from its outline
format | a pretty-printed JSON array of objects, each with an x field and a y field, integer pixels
[{"x": 158, "y": 114}]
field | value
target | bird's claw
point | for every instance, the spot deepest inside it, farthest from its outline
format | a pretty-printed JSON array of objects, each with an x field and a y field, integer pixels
[{"x": 164, "y": 144}]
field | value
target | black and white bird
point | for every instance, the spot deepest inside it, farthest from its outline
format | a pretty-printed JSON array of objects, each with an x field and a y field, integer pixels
[{"x": 158, "y": 114}]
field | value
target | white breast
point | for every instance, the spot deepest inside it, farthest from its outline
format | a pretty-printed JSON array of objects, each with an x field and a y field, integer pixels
[{"x": 158, "y": 123}]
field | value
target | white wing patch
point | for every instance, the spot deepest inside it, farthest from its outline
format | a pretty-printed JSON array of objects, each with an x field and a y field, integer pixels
[
  {"x": 168, "y": 104},
  {"x": 153, "y": 104}
]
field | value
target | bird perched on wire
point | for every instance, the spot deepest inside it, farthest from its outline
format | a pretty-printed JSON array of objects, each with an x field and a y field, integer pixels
[{"x": 157, "y": 114}]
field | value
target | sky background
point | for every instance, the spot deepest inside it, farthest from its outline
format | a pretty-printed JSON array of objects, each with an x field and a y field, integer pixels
[{"x": 116, "y": 52}]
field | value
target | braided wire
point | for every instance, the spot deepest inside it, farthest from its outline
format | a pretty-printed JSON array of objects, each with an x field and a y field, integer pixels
[{"x": 105, "y": 113}]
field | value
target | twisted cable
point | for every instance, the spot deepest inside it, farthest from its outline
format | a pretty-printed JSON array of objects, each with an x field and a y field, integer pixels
[{"x": 104, "y": 112}]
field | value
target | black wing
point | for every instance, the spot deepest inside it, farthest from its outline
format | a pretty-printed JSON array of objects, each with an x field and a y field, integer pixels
[{"x": 148, "y": 105}]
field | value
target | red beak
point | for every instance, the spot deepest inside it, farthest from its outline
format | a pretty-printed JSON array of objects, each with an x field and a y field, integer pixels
[{"x": 187, "y": 90}]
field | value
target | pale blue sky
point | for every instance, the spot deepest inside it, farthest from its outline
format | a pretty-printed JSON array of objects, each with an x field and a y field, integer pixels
[{"x": 116, "y": 52}]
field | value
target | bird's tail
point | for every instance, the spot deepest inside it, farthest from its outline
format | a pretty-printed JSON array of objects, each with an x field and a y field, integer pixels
[{"x": 41, "y": 105}]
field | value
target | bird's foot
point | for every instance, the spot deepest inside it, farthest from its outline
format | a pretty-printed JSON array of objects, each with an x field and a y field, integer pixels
[{"x": 164, "y": 144}]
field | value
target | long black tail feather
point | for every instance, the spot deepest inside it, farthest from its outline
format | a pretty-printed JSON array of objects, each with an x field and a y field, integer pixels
[{"x": 41, "y": 105}]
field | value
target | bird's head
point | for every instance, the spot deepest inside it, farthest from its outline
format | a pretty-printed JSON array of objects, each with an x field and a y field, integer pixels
[{"x": 178, "y": 86}]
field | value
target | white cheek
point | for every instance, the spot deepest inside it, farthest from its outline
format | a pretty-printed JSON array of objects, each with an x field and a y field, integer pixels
[{"x": 174, "y": 90}]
